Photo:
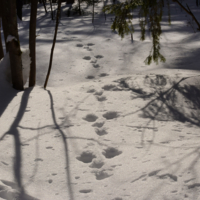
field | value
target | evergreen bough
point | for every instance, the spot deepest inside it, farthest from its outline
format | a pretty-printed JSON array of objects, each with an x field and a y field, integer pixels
[{"x": 150, "y": 13}]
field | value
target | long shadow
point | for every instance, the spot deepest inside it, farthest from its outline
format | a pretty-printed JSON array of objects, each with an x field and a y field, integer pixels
[
  {"x": 65, "y": 143},
  {"x": 180, "y": 102},
  {"x": 7, "y": 93},
  {"x": 17, "y": 161}
]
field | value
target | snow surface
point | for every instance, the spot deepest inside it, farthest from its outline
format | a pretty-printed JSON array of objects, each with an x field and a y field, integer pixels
[{"x": 107, "y": 127}]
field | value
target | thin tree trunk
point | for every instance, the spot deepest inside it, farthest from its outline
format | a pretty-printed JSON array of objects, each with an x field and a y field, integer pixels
[
  {"x": 53, "y": 45},
  {"x": 5, "y": 32},
  {"x": 51, "y": 9},
  {"x": 1, "y": 47},
  {"x": 32, "y": 41},
  {"x": 93, "y": 11},
  {"x": 13, "y": 44},
  {"x": 79, "y": 7},
  {"x": 44, "y": 6}
]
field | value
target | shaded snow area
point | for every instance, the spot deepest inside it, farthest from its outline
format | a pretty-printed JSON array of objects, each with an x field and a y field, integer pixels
[{"x": 107, "y": 127}]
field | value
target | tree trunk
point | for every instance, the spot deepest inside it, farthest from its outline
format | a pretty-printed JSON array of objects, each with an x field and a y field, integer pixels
[
  {"x": 79, "y": 7},
  {"x": 1, "y": 47},
  {"x": 2, "y": 11},
  {"x": 13, "y": 43},
  {"x": 44, "y": 6},
  {"x": 93, "y": 11},
  {"x": 53, "y": 45},
  {"x": 32, "y": 41},
  {"x": 51, "y": 9}
]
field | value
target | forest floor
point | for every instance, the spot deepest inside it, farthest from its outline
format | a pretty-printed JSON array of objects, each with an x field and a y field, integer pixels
[{"x": 107, "y": 127}]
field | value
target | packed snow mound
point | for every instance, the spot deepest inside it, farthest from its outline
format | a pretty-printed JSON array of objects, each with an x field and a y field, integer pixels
[{"x": 5, "y": 65}]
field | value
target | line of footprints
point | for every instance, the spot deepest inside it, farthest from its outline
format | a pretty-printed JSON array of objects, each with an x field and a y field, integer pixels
[
  {"x": 94, "y": 62},
  {"x": 110, "y": 152}
]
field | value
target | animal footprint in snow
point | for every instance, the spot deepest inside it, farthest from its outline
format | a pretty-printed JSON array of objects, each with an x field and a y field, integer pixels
[
  {"x": 111, "y": 152},
  {"x": 101, "y": 131},
  {"x": 79, "y": 45},
  {"x": 98, "y": 56},
  {"x": 96, "y": 65},
  {"x": 100, "y": 175},
  {"x": 87, "y": 58},
  {"x": 103, "y": 74},
  {"x": 86, "y": 157},
  {"x": 96, "y": 164},
  {"x": 85, "y": 191},
  {"x": 101, "y": 98},
  {"x": 98, "y": 124},
  {"x": 98, "y": 93},
  {"x": 90, "y": 44},
  {"x": 91, "y": 90},
  {"x": 111, "y": 87},
  {"x": 111, "y": 115},
  {"x": 90, "y": 77},
  {"x": 90, "y": 118}
]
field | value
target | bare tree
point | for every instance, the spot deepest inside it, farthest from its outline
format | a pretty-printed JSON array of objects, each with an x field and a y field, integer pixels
[
  {"x": 32, "y": 42},
  {"x": 10, "y": 25},
  {"x": 53, "y": 45},
  {"x": 1, "y": 47}
]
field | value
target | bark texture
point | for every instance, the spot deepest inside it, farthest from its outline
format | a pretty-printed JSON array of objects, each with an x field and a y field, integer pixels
[
  {"x": 32, "y": 42},
  {"x": 13, "y": 45}
]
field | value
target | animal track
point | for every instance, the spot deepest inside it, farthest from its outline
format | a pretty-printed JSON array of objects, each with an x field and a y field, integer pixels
[
  {"x": 100, "y": 175},
  {"x": 90, "y": 77},
  {"x": 103, "y": 74},
  {"x": 85, "y": 191},
  {"x": 96, "y": 164},
  {"x": 111, "y": 87},
  {"x": 79, "y": 45},
  {"x": 90, "y": 118},
  {"x": 96, "y": 65},
  {"x": 86, "y": 157},
  {"x": 87, "y": 58},
  {"x": 111, "y": 152},
  {"x": 101, "y": 131},
  {"x": 98, "y": 56},
  {"x": 90, "y": 44},
  {"x": 111, "y": 115},
  {"x": 98, "y": 124},
  {"x": 92, "y": 90},
  {"x": 101, "y": 98},
  {"x": 98, "y": 93}
]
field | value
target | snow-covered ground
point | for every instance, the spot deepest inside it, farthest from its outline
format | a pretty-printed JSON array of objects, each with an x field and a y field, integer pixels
[{"x": 107, "y": 127}]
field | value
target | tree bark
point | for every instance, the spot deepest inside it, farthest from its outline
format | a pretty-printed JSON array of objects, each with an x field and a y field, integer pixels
[
  {"x": 32, "y": 41},
  {"x": 53, "y": 45},
  {"x": 13, "y": 44},
  {"x": 2, "y": 11},
  {"x": 51, "y": 9},
  {"x": 1, "y": 47}
]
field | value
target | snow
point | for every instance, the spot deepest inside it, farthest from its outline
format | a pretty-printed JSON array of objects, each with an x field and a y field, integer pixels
[
  {"x": 107, "y": 127},
  {"x": 10, "y": 38}
]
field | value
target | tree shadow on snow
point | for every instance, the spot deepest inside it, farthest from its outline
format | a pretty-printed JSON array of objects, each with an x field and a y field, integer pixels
[
  {"x": 179, "y": 102},
  {"x": 19, "y": 193}
]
